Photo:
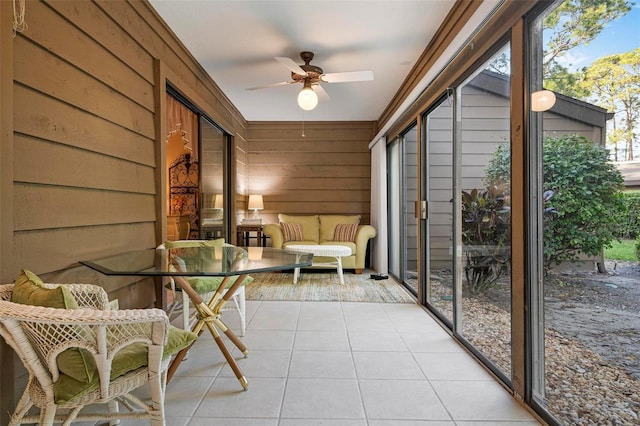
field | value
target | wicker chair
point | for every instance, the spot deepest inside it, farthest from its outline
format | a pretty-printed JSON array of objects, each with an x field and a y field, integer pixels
[{"x": 40, "y": 334}]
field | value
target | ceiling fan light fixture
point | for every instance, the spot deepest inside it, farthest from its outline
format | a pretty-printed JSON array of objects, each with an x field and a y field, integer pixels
[{"x": 307, "y": 98}]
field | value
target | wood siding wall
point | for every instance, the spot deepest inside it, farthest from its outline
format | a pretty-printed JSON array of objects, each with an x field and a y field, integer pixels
[
  {"x": 83, "y": 130},
  {"x": 89, "y": 130},
  {"x": 328, "y": 171}
]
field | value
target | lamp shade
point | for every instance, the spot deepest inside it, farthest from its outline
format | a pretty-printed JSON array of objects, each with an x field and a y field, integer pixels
[
  {"x": 218, "y": 202},
  {"x": 255, "y": 202},
  {"x": 542, "y": 100},
  {"x": 307, "y": 98}
]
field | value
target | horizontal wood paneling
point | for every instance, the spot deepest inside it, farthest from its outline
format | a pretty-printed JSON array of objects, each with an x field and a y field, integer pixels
[
  {"x": 46, "y": 206},
  {"x": 70, "y": 85},
  {"x": 86, "y": 128},
  {"x": 45, "y": 117},
  {"x": 328, "y": 171},
  {"x": 90, "y": 169},
  {"x": 53, "y": 249}
]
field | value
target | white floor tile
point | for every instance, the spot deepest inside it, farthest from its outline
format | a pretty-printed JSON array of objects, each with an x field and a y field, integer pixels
[
  {"x": 437, "y": 341},
  {"x": 261, "y": 363},
  {"x": 450, "y": 366},
  {"x": 338, "y": 364},
  {"x": 387, "y": 365},
  {"x": 322, "y": 365},
  {"x": 321, "y": 316},
  {"x": 401, "y": 400},
  {"x": 322, "y": 398},
  {"x": 269, "y": 339},
  {"x": 226, "y": 399},
  {"x": 381, "y": 341},
  {"x": 479, "y": 400}
]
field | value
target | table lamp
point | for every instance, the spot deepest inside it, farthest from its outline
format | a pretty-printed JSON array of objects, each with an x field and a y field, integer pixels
[{"x": 255, "y": 203}]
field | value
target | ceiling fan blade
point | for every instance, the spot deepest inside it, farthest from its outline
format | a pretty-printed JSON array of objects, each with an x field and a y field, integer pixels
[
  {"x": 291, "y": 65},
  {"x": 343, "y": 77},
  {"x": 322, "y": 94},
  {"x": 283, "y": 83}
]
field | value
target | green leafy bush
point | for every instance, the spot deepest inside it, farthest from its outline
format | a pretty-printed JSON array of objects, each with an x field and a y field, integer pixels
[
  {"x": 587, "y": 206},
  {"x": 486, "y": 235},
  {"x": 630, "y": 228}
]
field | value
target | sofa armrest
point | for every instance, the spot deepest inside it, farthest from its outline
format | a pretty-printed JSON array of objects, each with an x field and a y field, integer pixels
[
  {"x": 363, "y": 235},
  {"x": 273, "y": 231}
]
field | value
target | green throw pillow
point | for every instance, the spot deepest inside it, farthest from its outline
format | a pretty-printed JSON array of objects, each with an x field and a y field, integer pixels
[
  {"x": 29, "y": 289},
  {"x": 128, "y": 359}
]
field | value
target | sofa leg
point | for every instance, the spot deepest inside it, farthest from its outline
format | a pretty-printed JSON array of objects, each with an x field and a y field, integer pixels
[{"x": 358, "y": 271}]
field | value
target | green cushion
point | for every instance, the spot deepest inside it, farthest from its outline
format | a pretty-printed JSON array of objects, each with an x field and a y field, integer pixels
[
  {"x": 194, "y": 243},
  {"x": 29, "y": 289},
  {"x": 209, "y": 284},
  {"x": 128, "y": 359}
]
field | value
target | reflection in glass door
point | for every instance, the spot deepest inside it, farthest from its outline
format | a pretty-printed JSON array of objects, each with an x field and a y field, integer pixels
[
  {"x": 393, "y": 213},
  {"x": 439, "y": 186},
  {"x": 402, "y": 184},
  {"x": 410, "y": 196},
  {"x": 483, "y": 166},
  {"x": 212, "y": 206}
]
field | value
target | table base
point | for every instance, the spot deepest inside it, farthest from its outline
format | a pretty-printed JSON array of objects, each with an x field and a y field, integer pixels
[{"x": 209, "y": 315}]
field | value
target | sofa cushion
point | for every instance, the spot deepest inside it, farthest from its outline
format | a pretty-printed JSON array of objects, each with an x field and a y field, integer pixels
[
  {"x": 310, "y": 225},
  {"x": 328, "y": 224},
  {"x": 345, "y": 232},
  {"x": 291, "y": 231}
]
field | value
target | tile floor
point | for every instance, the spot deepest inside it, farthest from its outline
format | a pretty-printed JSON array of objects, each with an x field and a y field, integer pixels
[{"x": 339, "y": 364}]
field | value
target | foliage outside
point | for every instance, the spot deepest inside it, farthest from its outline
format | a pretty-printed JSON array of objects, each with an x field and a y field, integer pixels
[
  {"x": 630, "y": 228},
  {"x": 611, "y": 82},
  {"x": 586, "y": 208},
  {"x": 621, "y": 250},
  {"x": 486, "y": 236}
]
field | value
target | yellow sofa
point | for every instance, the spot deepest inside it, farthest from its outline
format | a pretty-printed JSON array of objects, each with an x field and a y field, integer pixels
[{"x": 321, "y": 230}]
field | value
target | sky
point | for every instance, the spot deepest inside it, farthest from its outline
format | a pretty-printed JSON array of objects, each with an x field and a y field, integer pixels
[{"x": 622, "y": 35}]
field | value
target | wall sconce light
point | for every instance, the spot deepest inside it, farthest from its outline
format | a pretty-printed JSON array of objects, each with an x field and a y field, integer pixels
[
  {"x": 542, "y": 100},
  {"x": 255, "y": 203},
  {"x": 307, "y": 98}
]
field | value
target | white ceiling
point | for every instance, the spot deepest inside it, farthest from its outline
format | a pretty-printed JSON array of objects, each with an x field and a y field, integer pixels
[{"x": 236, "y": 42}]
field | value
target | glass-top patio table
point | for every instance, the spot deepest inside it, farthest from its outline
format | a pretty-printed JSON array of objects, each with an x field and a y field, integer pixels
[{"x": 227, "y": 262}]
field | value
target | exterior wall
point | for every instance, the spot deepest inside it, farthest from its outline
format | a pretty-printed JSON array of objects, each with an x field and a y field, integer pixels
[
  {"x": 556, "y": 126},
  {"x": 83, "y": 129},
  {"x": 328, "y": 171},
  {"x": 485, "y": 118},
  {"x": 89, "y": 87}
]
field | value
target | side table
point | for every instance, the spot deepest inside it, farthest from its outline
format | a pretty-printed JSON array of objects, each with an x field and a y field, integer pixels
[{"x": 243, "y": 233}]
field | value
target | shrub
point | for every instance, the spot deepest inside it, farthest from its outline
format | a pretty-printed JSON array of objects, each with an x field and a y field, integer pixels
[
  {"x": 587, "y": 202},
  {"x": 486, "y": 235},
  {"x": 630, "y": 228}
]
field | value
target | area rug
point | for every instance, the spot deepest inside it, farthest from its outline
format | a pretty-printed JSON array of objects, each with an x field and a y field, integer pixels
[{"x": 325, "y": 286}]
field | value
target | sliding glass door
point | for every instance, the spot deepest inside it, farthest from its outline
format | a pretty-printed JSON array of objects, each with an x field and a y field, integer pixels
[
  {"x": 440, "y": 265},
  {"x": 483, "y": 176},
  {"x": 402, "y": 182}
]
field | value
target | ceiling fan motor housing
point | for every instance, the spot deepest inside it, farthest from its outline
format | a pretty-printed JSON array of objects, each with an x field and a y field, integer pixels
[{"x": 313, "y": 72}]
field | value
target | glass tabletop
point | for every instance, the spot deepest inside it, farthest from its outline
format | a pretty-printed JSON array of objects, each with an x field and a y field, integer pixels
[{"x": 200, "y": 261}]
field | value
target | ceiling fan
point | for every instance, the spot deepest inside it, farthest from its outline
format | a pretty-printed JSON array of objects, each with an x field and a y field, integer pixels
[{"x": 310, "y": 76}]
